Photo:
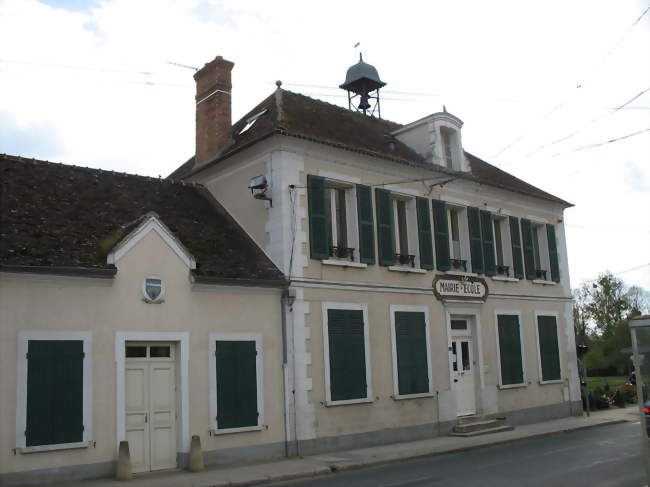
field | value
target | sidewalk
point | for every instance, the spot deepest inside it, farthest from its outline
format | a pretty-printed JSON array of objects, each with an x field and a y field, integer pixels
[{"x": 260, "y": 473}]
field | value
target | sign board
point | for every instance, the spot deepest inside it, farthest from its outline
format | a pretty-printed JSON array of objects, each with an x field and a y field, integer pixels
[{"x": 460, "y": 287}]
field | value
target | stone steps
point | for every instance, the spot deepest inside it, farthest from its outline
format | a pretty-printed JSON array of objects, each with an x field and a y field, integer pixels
[{"x": 469, "y": 426}]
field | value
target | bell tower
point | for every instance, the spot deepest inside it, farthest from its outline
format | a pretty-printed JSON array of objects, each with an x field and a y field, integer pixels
[{"x": 362, "y": 84}]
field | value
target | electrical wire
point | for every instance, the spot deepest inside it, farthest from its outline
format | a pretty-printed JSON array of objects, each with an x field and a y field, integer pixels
[
  {"x": 578, "y": 86},
  {"x": 593, "y": 120},
  {"x": 600, "y": 144}
]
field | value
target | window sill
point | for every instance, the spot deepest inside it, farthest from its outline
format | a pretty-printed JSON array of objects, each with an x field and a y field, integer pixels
[
  {"x": 544, "y": 283},
  {"x": 504, "y": 279},
  {"x": 244, "y": 429},
  {"x": 554, "y": 381},
  {"x": 398, "y": 397},
  {"x": 414, "y": 270},
  {"x": 344, "y": 263},
  {"x": 513, "y": 386},
  {"x": 349, "y": 401},
  {"x": 61, "y": 446},
  {"x": 459, "y": 273}
]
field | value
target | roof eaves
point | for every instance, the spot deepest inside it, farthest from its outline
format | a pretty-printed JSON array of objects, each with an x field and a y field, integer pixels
[
  {"x": 231, "y": 281},
  {"x": 107, "y": 272}
]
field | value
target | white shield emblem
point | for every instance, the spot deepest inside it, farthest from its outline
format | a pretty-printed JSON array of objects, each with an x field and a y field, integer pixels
[{"x": 152, "y": 288}]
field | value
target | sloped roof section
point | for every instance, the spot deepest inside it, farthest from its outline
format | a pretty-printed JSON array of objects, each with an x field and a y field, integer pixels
[
  {"x": 295, "y": 115},
  {"x": 55, "y": 216}
]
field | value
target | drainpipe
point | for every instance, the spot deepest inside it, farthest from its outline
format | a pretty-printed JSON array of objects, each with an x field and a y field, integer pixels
[{"x": 284, "y": 300}]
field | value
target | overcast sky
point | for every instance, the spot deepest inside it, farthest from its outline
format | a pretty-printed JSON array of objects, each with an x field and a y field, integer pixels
[{"x": 537, "y": 84}]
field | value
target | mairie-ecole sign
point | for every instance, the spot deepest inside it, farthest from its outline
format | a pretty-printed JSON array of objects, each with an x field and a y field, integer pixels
[{"x": 460, "y": 287}]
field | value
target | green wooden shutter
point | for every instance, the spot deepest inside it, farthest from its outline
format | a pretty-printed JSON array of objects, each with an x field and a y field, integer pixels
[
  {"x": 236, "y": 364},
  {"x": 54, "y": 392},
  {"x": 487, "y": 234},
  {"x": 441, "y": 228},
  {"x": 515, "y": 239},
  {"x": 512, "y": 371},
  {"x": 549, "y": 350},
  {"x": 529, "y": 250},
  {"x": 552, "y": 253},
  {"x": 318, "y": 214},
  {"x": 385, "y": 227},
  {"x": 424, "y": 233},
  {"x": 366, "y": 225},
  {"x": 475, "y": 244},
  {"x": 347, "y": 354},
  {"x": 411, "y": 348}
]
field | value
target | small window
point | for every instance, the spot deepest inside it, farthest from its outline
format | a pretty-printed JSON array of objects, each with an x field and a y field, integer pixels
[
  {"x": 458, "y": 238},
  {"x": 160, "y": 351},
  {"x": 502, "y": 247},
  {"x": 459, "y": 324},
  {"x": 446, "y": 136},
  {"x": 405, "y": 229},
  {"x": 136, "y": 351}
]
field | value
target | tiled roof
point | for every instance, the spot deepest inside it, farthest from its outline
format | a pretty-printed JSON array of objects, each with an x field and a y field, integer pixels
[
  {"x": 295, "y": 115},
  {"x": 58, "y": 217}
]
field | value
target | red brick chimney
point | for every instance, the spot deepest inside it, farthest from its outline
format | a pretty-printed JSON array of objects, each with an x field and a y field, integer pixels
[{"x": 213, "y": 109}]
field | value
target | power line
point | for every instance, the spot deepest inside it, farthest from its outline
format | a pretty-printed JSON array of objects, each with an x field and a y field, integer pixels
[
  {"x": 593, "y": 120},
  {"x": 577, "y": 87},
  {"x": 599, "y": 144},
  {"x": 636, "y": 268}
]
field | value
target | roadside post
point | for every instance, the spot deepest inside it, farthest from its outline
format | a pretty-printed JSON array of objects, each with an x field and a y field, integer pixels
[{"x": 640, "y": 331}]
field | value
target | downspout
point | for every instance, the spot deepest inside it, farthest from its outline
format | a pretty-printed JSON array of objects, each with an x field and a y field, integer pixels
[{"x": 284, "y": 298}]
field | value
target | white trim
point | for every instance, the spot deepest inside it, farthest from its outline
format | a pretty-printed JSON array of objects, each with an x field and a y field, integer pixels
[
  {"x": 411, "y": 309},
  {"x": 21, "y": 387},
  {"x": 337, "y": 176},
  {"x": 517, "y": 313},
  {"x": 344, "y": 263},
  {"x": 556, "y": 315},
  {"x": 152, "y": 223},
  {"x": 474, "y": 312},
  {"x": 183, "y": 395},
  {"x": 458, "y": 273},
  {"x": 537, "y": 219},
  {"x": 328, "y": 393},
  {"x": 504, "y": 279},
  {"x": 400, "y": 191},
  {"x": 454, "y": 201},
  {"x": 212, "y": 376},
  {"x": 544, "y": 283},
  {"x": 413, "y": 270}
]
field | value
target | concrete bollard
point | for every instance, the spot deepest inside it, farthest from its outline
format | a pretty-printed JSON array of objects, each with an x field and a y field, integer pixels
[
  {"x": 123, "y": 462},
  {"x": 195, "y": 463}
]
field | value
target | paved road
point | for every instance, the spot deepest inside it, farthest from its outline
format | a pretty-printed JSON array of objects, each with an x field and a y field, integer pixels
[{"x": 598, "y": 457}]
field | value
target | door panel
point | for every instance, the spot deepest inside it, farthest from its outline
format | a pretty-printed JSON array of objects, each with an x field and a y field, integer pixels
[
  {"x": 162, "y": 412},
  {"x": 137, "y": 408},
  {"x": 463, "y": 383}
]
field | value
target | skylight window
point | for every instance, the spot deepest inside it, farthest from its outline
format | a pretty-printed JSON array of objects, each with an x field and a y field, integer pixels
[{"x": 251, "y": 121}]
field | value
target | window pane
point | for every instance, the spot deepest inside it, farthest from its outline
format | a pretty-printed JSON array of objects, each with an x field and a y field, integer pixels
[
  {"x": 464, "y": 347},
  {"x": 498, "y": 244},
  {"x": 136, "y": 351},
  {"x": 328, "y": 216},
  {"x": 458, "y": 325},
  {"x": 454, "y": 356},
  {"x": 401, "y": 227},
  {"x": 341, "y": 219},
  {"x": 536, "y": 247},
  {"x": 159, "y": 351}
]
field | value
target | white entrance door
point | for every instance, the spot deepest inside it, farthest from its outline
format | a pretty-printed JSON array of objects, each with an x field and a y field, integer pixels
[
  {"x": 462, "y": 365},
  {"x": 150, "y": 406}
]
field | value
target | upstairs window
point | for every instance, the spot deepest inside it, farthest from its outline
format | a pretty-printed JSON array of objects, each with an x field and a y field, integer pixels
[
  {"x": 458, "y": 238},
  {"x": 502, "y": 246},
  {"x": 341, "y": 225},
  {"x": 446, "y": 137},
  {"x": 540, "y": 251}
]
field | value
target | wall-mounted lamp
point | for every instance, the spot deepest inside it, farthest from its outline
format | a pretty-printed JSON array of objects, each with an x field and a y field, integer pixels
[{"x": 259, "y": 187}]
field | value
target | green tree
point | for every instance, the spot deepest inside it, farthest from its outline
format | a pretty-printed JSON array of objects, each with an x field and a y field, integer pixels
[{"x": 608, "y": 304}]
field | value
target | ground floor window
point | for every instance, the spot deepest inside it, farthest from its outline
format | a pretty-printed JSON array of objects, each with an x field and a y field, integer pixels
[
  {"x": 510, "y": 350},
  {"x": 54, "y": 375},
  {"x": 549, "y": 350},
  {"x": 346, "y": 352},
  {"x": 411, "y": 359},
  {"x": 237, "y": 368}
]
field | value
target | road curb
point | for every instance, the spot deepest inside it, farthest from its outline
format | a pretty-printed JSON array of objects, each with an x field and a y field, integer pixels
[{"x": 351, "y": 465}]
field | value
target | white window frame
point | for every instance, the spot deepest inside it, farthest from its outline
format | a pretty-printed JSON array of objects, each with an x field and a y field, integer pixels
[
  {"x": 463, "y": 233},
  {"x": 410, "y": 309},
  {"x": 259, "y": 366},
  {"x": 411, "y": 227},
  {"x": 351, "y": 216},
  {"x": 326, "y": 348},
  {"x": 506, "y": 243},
  {"x": 21, "y": 388},
  {"x": 556, "y": 315},
  {"x": 517, "y": 313}
]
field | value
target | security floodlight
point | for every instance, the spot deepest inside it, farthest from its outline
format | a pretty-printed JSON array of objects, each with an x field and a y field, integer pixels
[{"x": 258, "y": 182}]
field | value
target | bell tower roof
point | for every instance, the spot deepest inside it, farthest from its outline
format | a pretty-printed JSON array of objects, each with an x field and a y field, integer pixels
[{"x": 362, "y": 77}]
